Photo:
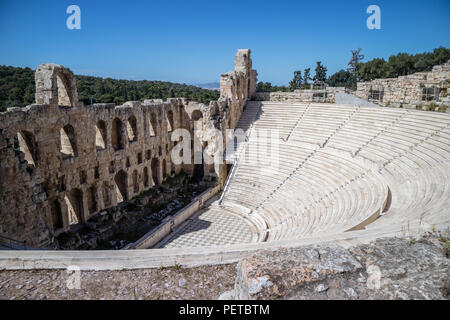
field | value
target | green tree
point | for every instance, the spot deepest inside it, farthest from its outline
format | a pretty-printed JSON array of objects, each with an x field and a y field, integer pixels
[
  {"x": 268, "y": 87},
  {"x": 306, "y": 76},
  {"x": 342, "y": 78},
  {"x": 297, "y": 81},
  {"x": 321, "y": 73},
  {"x": 373, "y": 69}
]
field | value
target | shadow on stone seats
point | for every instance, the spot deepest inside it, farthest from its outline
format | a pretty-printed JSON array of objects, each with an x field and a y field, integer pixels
[{"x": 195, "y": 224}]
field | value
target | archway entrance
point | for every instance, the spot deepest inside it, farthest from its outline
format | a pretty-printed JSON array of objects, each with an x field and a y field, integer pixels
[
  {"x": 121, "y": 181},
  {"x": 155, "y": 169},
  {"x": 74, "y": 202}
]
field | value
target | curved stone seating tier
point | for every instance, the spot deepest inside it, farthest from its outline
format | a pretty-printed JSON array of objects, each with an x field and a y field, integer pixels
[{"x": 336, "y": 169}]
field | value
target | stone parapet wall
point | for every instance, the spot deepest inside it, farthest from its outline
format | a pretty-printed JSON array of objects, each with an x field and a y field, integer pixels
[
  {"x": 62, "y": 162},
  {"x": 171, "y": 223},
  {"x": 408, "y": 91},
  {"x": 327, "y": 95}
]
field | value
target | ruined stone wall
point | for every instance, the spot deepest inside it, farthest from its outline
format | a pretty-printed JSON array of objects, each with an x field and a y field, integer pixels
[
  {"x": 327, "y": 95},
  {"x": 409, "y": 91},
  {"x": 62, "y": 162}
]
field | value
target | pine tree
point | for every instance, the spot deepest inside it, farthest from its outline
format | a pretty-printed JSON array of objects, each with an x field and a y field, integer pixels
[
  {"x": 306, "y": 76},
  {"x": 297, "y": 81},
  {"x": 321, "y": 73}
]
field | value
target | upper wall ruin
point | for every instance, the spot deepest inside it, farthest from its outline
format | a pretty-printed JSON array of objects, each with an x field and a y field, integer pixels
[
  {"x": 62, "y": 162},
  {"x": 409, "y": 91}
]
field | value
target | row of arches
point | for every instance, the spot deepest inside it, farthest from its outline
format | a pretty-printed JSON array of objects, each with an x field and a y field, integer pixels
[
  {"x": 24, "y": 140},
  {"x": 121, "y": 189}
]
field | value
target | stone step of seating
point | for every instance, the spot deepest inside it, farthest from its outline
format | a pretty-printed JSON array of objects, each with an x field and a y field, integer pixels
[{"x": 333, "y": 169}]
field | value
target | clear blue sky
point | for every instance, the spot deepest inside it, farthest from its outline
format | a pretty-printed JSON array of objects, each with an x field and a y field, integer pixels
[{"x": 195, "y": 41}]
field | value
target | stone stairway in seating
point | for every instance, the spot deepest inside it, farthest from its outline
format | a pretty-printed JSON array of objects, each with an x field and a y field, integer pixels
[{"x": 327, "y": 170}]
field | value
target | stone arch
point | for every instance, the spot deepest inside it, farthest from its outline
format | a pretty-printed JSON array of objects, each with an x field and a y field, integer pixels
[
  {"x": 74, "y": 202},
  {"x": 55, "y": 85},
  {"x": 132, "y": 128},
  {"x": 199, "y": 163},
  {"x": 153, "y": 124},
  {"x": 146, "y": 178},
  {"x": 100, "y": 135},
  {"x": 106, "y": 195},
  {"x": 121, "y": 186},
  {"x": 170, "y": 126},
  {"x": 64, "y": 98},
  {"x": 24, "y": 142},
  {"x": 197, "y": 120},
  {"x": 56, "y": 215},
  {"x": 155, "y": 171},
  {"x": 92, "y": 199},
  {"x": 68, "y": 141},
  {"x": 164, "y": 169},
  {"x": 116, "y": 134},
  {"x": 135, "y": 182}
]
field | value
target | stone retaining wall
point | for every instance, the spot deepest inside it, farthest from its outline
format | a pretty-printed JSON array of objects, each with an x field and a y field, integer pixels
[
  {"x": 300, "y": 95},
  {"x": 411, "y": 91}
]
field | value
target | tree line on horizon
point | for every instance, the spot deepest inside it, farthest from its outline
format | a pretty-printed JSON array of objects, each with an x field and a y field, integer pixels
[
  {"x": 17, "y": 89},
  {"x": 397, "y": 65}
]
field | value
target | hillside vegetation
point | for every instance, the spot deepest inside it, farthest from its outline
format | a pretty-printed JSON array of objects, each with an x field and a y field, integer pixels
[
  {"x": 17, "y": 89},
  {"x": 397, "y": 65}
]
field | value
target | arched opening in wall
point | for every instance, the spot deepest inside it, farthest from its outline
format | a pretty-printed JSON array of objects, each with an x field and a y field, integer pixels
[
  {"x": 164, "y": 169},
  {"x": 197, "y": 118},
  {"x": 121, "y": 186},
  {"x": 135, "y": 182},
  {"x": 155, "y": 171},
  {"x": 100, "y": 135},
  {"x": 181, "y": 113},
  {"x": 24, "y": 142},
  {"x": 132, "y": 129},
  {"x": 170, "y": 121},
  {"x": 146, "y": 179},
  {"x": 64, "y": 99},
  {"x": 199, "y": 170},
  {"x": 237, "y": 89},
  {"x": 106, "y": 196},
  {"x": 74, "y": 202},
  {"x": 92, "y": 199},
  {"x": 68, "y": 142},
  {"x": 153, "y": 124},
  {"x": 116, "y": 134},
  {"x": 56, "y": 215}
]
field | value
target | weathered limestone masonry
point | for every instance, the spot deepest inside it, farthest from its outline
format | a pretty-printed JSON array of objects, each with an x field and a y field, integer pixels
[
  {"x": 326, "y": 94},
  {"x": 62, "y": 162},
  {"x": 410, "y": 91}
]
